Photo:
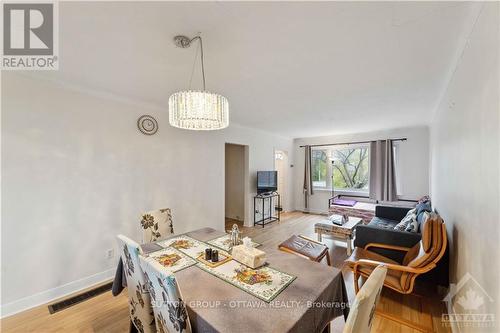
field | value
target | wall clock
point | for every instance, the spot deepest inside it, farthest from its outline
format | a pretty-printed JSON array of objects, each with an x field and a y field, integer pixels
[{"x": 147, "y": 124}]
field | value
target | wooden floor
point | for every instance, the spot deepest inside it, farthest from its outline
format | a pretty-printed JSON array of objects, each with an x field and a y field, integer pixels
[{"x": 105, "y": 313}]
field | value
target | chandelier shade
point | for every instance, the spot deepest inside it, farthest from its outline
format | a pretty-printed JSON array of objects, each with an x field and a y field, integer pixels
[{"x": 198, "y": 110}]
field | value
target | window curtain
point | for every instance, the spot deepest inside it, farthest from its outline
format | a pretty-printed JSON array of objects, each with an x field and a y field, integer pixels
[
  {"x": 308, "y": 186},
  {"x": 382, "y": 171}
]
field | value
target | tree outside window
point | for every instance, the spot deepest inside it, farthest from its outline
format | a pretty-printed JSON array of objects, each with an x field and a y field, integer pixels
[{"x": 351, "y": 168}]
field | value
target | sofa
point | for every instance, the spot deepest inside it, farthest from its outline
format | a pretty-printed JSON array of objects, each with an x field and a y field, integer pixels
[{"x": 381, "y": 230}]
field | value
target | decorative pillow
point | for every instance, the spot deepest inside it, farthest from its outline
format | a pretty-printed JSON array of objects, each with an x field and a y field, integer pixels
[
  {"x": 424, "y": 199},
  {"x": 421, "y": 219},
  {"x": 423, "y": 207},
  {"x": 412, "y": 226},
  {"x": 410, "y": 216}
]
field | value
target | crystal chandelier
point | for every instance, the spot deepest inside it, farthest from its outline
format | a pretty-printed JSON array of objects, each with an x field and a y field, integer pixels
[{"x": 197, "y": 110}]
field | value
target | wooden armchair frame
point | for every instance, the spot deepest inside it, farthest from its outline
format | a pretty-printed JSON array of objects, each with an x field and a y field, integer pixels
[{"x": 401, "y": 268}]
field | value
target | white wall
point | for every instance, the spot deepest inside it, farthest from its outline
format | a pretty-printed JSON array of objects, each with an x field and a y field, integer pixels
[
  {"x": 414, "y": 159},
  {"x": 76, "y": 172},
  {"x": 235, "y": 182},
  {"x": 465, "y": 157}
]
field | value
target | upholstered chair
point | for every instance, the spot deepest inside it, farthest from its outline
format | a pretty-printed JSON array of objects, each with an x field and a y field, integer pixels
[
  {"x": 141, "y": 312},
  {"x": 169, "y": 309},
  {"x": 419, "y": 259},
  {"x": 362, "y": 310},
  {"x": 157, "y": 225}
]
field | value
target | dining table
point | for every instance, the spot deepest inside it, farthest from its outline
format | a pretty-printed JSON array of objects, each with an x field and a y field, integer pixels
[{"x": 315, "y": 297}]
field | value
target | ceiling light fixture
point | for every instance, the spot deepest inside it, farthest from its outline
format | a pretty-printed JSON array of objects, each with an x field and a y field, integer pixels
[{"x": 197, "y": 110}]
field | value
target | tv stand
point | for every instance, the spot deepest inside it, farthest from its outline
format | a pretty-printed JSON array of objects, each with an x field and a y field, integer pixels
[{"x": 270, "y": 208}]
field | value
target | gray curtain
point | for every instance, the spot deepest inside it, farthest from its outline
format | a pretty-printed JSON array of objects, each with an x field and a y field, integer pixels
[
  {"x": 382, "y": 172},
  {"x": 308, "y": 186}
]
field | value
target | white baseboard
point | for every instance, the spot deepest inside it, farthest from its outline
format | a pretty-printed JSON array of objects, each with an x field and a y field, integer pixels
[{"x": 54, "y": 293}]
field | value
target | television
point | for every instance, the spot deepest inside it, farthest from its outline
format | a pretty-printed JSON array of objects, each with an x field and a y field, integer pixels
[{"x": 267, "y": 181}]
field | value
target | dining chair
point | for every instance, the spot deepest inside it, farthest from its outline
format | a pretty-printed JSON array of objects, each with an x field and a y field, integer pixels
[
  {"x": 361, "y": 312},
  {"x": 141, "y": 312},
  {"x": 169, "y": 309},
  {"x": 157, "y": 225}
]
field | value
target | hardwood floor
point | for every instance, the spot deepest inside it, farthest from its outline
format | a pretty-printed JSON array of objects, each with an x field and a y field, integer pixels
[{"x": 105, "y": 313}]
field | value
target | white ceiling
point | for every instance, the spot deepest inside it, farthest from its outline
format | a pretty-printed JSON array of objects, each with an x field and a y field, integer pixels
[{"x": 296, "y": 69}]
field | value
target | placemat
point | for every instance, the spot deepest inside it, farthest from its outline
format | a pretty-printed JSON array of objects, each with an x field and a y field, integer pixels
[
  {"x": 187, "y": 245},
  {"x": 264, "y": 283},
  {"x": 224, "y": 242},
  {"x": 172, "y": 259}
]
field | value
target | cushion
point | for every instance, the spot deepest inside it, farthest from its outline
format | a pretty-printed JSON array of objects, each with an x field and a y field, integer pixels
[
  {"x": 305, "y": 247},
  {"x": 410, "y": 216},
  {"x": 423, "y": 199},
  {"x": 424, "y": 207},
  {"x": 383, "y": 223},
  {"x": 393, "y": 277},
  {"x": 360, "y": 253},
  {"x": 427, "y": 231},
  {"x": 428, "y": 249},
  {"x": 412, "y": 226}
]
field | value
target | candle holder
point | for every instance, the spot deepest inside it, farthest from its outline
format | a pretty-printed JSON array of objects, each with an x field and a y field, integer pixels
[
  {"x": 215, "y": 256},
  {"x": 208, "y": 254}
]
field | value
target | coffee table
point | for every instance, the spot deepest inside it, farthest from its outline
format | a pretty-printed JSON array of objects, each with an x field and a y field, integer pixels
[{"x": 342, "y": 232}]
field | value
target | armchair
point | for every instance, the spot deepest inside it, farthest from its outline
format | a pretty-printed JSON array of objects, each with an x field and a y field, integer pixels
[{"x": 419, "y": 259}]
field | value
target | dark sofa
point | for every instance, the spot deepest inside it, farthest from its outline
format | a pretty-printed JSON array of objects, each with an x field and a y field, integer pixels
[{"x": 381, "y": 230}]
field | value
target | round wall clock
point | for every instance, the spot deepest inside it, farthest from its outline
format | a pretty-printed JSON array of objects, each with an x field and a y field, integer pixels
[{"x": 147, "y": 124}]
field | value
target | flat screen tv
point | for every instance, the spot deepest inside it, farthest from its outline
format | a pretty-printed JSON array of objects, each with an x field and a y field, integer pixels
[{"x": 267, "y": 181}]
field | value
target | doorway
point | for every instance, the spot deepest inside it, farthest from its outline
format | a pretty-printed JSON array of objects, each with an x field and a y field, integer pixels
[
  {"x": 281, "y": 165},
  {"x": 236, "y": 173}
]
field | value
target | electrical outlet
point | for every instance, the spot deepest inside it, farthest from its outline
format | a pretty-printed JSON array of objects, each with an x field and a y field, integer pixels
[{"x": 110, "y": 254}]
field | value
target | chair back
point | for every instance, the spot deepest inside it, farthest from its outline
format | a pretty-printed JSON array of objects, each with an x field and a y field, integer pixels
[
  {"x": 168, "y": 307},
  {"x": 157, "y": 225},
  {"x": 362, "y": 310},
  {"x": 141, "y": 312},
  {"x": 426, "y": 253}
]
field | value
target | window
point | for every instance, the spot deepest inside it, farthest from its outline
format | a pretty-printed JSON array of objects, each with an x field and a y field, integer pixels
[
  {"x": 350, "y": 168},
  {"x": 319, "y": 165}
]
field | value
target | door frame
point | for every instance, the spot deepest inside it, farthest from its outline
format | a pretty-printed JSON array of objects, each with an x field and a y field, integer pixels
[
  {"x": 247, "y": 211},
  {"x": 284, "y": 196}
]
